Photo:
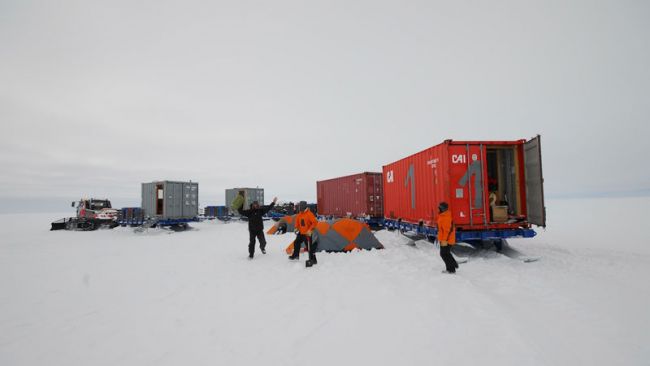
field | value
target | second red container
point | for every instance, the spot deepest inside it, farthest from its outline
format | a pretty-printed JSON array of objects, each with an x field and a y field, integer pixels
[{"x": 358, "y": 195}]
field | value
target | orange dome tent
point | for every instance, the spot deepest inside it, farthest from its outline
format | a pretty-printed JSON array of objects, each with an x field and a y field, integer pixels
[
  {"x": 287, "y": 221},
  {"x": 342, "y": 235}
]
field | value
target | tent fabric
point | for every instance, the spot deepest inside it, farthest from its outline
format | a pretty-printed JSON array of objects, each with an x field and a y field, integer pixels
[
  {"x": 286, "y": 220},
  {"x": 348, "y": 228},
  {"x": 342, "y": 235}
]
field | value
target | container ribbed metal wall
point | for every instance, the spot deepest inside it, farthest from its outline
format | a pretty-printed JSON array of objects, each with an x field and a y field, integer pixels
[
  {"x": 170, "y": 199},
  {"x": 250, "y": 195}
]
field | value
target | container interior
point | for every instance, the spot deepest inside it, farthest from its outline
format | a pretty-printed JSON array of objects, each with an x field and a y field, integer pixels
[
  {"x": 160, "y": 199},
  {"x": 503, "y": 183}
]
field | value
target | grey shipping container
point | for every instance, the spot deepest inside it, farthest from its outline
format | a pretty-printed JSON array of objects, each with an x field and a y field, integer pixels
[
  {"x": 250, "y": 195},
  {"x": 170, "y": 200}
]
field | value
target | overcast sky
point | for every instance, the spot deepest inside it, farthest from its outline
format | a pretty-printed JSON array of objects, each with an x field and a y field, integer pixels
[{"x": 97, "y": 97}]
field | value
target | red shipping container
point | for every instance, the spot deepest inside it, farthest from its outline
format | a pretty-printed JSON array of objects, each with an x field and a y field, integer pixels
[
  {"x": 465, "y": 174},
  {"x": 354, "y": 195}
]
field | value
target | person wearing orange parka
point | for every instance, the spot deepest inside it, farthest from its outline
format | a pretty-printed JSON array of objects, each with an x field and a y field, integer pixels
[
  {"x": 305, "y": 222},
  {"x": 446, "y": 237}
]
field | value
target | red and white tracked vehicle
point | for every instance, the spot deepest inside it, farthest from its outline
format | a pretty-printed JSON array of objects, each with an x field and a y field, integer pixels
[{"x": 92, "y": 214}]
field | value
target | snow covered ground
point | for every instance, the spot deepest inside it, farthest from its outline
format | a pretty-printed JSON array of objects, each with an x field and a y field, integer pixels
[{"x": 114, "y": 297}]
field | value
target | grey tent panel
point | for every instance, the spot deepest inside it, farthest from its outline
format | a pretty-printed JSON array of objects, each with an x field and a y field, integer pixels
[
  {"x": 290, "y": 226},
  {"x": 335, "y": 242},
  {"x": 331, "y": 241},
  {"x": 366, "y": 240}
]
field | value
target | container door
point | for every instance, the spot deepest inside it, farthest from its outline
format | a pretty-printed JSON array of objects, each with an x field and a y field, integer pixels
[
  {"x": 195, "y": 199},
  {"x": 468, "y": 176},
  {"x": 379, "y": 195},
  {"x": 172, "y": 197},
  {"x": 186, "y": 203},
  {"x": 177, "y": 200},
  {"x": 534, "y": 182},
  {"x": 374, "y": 195}
]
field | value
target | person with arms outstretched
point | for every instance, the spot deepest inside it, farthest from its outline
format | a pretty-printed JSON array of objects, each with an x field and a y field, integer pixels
[{"x": 256, "y": 225}]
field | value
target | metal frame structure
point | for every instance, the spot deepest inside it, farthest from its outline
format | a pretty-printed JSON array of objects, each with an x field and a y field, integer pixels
[{"x": 465, "y": 236}]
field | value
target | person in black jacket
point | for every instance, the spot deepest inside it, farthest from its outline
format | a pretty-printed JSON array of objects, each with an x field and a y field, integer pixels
[{"x": 256, "y": 225}]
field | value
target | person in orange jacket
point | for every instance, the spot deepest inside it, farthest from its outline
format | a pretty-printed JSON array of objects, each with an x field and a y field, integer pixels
[
  {"x": 446, "y": 237},
  {"x": 305, "y": 222}
]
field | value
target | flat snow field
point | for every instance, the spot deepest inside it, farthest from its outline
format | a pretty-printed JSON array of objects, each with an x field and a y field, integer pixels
[{"x": 115, "y": 297}]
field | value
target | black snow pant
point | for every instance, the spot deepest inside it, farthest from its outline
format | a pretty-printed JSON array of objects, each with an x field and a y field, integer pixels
[
  {"x": 450, "y": 262},
  {"x": 251, "y": 244},
  {"x": 297, "y": 244}
]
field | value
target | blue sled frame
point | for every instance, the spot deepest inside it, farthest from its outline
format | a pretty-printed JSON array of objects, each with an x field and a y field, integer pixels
[
  {"x": 171, "y": 222},
  {"x": 464, "y": 236},
  {"x": 161, "y": 222}
]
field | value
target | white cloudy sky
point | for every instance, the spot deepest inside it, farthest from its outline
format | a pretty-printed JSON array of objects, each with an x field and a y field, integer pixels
[{"x": 97, "y": 97}]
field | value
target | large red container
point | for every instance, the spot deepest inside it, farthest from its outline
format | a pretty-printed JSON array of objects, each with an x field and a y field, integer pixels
[
  {"x": 354, "y": 195},
  {"x": 463, "y": 174}
]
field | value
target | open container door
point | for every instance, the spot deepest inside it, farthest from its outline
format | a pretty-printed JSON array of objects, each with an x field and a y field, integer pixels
[{"x": 534, "y": 182}]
